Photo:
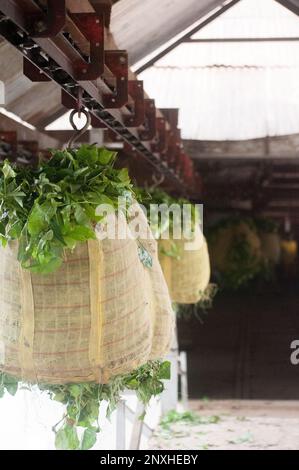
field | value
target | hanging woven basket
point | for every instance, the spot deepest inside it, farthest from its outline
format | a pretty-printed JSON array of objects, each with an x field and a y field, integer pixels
[
  {"x": 101, "y": 314},
  {"x": 188, "y": 273},
  {"x": 235, "y": 250},
  {"x": 270, "y": 240}
]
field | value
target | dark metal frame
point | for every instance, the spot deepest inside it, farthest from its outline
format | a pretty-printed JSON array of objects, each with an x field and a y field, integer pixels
[{"x": 56, "y": 59}]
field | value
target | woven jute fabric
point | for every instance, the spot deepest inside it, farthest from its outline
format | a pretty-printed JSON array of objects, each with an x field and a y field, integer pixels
[
  {"x": 187, "y": 274},
  {"x": 270, "y": 246},
  {"x": 101, "y": 314}
]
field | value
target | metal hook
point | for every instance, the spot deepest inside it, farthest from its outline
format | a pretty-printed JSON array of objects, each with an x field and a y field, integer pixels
[{"x": 79, "y": 132}]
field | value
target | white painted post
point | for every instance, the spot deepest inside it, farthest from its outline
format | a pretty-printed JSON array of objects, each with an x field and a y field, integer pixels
[
  {"x": 137, "y": 428},
  {"x": 121, "y": 426},
  {"x": 184, "y": 379},
  {"x": 169, "y": 398}
]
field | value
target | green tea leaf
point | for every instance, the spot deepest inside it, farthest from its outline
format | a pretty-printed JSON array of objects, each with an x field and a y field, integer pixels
[
  {"x": 89, "y": 439},
  {"x": 88, "y": 153},
  {"x": 12, "y": 388},
  {"x": 105, "y": 156},
  {"x": 7, "y": 170},
  {"x": 40, "y": 217},
  {"x": 45, "y": 267},
  {"x": 81, "y": 233},
  {"x": 123, "y": 175},
  {"x": 67, "y": 438},
  {"x": 75, "y": 390}
]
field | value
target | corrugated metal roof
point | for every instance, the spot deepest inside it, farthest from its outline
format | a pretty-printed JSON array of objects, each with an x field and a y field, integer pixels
[
  {"x": 234, "y": 90},
  {"x": 220, "y": 103},
  {"x": 263, "y": 18},
  {"x": 233, "y": 54}
]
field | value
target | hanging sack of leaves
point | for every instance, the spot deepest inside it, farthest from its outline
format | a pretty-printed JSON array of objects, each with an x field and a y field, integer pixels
[
  {"x": 235, "y": 250},
  {"x": 186, "y": 267},
  {"x": 185, "y": 260},
  {"x": 75, "y": 307},
  {"x": 270, "y": 240}
]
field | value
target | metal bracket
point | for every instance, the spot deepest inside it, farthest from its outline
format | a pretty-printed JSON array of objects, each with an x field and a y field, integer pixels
[
  {"x": 172, "y": 116},
  {"x": 160, "y": 142},
  {"x": 32, "y": 72},
  {"x": 91, "y": 26},
  {"x": 104, "y": 7},
  {"x": 49, "y": 24},
  {"x": 117, "y": 63},
  {"x": 135, "y": 89},
  {"x": 150, "y": 121},
  {"x": 73, "y": 103},
  {"x": 186, "y": 168},
  {"x": 178, "y": 148},
  {"x": 97, "y": 123},
  {"x": 174, "y": 147},
  {"x": 57, "y": 57},
  {"x": 113, "y": 136}
]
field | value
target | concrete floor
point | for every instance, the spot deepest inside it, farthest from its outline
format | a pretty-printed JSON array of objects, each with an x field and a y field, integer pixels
[{"x": 234, "y": 425}]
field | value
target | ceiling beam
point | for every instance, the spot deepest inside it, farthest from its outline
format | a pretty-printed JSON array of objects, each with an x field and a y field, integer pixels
[
  {"x": 239, "y": 40},
  {"x": 292, "y": 5},
  {"x": 186, "y": 36}
]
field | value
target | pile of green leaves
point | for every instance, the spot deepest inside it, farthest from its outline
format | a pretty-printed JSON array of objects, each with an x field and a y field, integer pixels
[
  {"x": 53, "y": 207},
  {"x": 79, "y": 425},
  {"x": 149, "y": 198},
  {"x": 189, "y": 418}
]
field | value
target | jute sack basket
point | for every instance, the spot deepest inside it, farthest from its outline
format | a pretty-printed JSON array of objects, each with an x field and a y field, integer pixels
[
  {"x": 222, "y": 241},
  {"x": 270, "y": 247},
  {"x": 101, "y": 314},
  {"x": 188, "y": 274}
]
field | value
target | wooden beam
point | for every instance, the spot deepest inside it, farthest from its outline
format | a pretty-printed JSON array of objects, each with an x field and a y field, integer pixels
[
  {"x": 186, "y": 36},
  {"x": 43, "y": 98},
  {"x": 276, "y": 149}
]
